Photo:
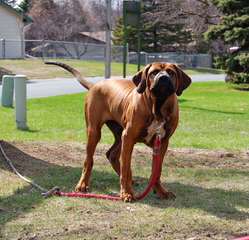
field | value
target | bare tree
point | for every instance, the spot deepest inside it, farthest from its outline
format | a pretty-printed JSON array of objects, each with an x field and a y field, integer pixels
[
  {"x": 164, "y": 26},
  {"x": 57, "y": 21},
  {"x": 98, "y": 13},
  {"x": 162, "y": 10},
  {"x": 201, "y": 14}
]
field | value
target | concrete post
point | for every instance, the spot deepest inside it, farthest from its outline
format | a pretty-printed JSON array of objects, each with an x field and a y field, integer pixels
[
  {"x": 7, "y": 91},
  {"x": 20, "y": 101}
]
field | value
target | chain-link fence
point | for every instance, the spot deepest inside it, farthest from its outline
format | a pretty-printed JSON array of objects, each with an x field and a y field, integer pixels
[
  {"x": 57, "y": 49},
  {"x": 184, "y": 59},
  {"x": 70, "y": 50},
  {"x": 92, "y": 51}
]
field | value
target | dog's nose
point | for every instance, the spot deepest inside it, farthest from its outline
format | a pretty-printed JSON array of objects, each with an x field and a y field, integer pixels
[
  {"x": 163, "y": 86},
  {"x": 164, "y": 78},
  {"x": 162, "y": 74},
  {"x": 162, "y": 81}
]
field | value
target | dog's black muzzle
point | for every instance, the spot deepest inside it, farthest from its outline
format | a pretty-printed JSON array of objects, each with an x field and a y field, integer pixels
[{"x": 162, "y": 86}]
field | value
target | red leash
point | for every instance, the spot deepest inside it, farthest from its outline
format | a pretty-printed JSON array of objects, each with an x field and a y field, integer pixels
[
  {"x": 156, "y": 165},
  {"x": 243, "y": 238}
]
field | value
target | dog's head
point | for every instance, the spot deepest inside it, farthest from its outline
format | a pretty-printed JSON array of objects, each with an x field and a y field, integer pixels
[{"x": 161, "y": 79}]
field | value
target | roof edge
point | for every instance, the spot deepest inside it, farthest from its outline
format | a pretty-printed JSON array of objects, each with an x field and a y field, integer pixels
[{"x": 26, "y": 19}]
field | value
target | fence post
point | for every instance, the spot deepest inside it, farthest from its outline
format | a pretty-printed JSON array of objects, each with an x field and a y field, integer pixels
[
  {"x": 125, "y": 59},
  {"x": 43, "y": 49},
  {"x": 127, "y": 53},
  {"x": 108, "y": 48},
  {"x": 3, "y": 48},
  {"x": 23, "y": 48},
  {"x": 7, "y": 90},
  {"x": 20, "y": 101}
]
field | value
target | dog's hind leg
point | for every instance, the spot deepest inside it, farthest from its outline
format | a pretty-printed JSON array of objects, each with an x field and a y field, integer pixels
[{"x": 113, "y": 154}]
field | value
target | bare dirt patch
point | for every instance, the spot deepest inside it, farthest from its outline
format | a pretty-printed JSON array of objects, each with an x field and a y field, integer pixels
[
  {"x": 73, "y": 154},
  {"x": 210, "y": 158}
]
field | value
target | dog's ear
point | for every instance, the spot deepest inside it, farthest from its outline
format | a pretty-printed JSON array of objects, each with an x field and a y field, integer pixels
[
  {"x": 183, "y": 80},
  {"x": 140, "y": 79}
]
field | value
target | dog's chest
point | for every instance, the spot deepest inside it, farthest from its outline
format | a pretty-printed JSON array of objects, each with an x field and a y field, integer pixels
[{"x": 154, "y": 128}]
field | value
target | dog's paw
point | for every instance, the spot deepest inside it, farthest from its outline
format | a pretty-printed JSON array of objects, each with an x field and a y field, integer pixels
[
  {"x": 127, "y": 197},
  {"x": 81, "y": 187}
]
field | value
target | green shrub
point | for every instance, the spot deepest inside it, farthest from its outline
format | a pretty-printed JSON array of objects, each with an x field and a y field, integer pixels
[{"x": 233, "y": 29}]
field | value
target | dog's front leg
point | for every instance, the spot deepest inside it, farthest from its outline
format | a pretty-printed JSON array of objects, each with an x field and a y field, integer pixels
[{"x": 126, "y": 192}]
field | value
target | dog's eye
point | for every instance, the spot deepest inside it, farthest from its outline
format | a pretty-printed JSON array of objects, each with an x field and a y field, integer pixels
[
  {"x": 155, "y": 72},
  {"x": 170, "y": 72}
]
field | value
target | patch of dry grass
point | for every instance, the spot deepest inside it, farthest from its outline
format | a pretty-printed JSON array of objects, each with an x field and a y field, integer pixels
[{"x": 36, "y": 69}]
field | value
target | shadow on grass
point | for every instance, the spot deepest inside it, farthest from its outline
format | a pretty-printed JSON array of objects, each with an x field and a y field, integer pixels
[
  {"x": 215, "y": 201},
  {"x": 213, "y": 111},
  {"x": 29, "y": 130},
  {"x": 240, "y": 87},
  {"x": 182, "y": 100}
]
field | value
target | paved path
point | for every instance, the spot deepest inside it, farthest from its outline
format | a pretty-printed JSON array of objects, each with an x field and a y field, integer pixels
[{"x": 61, "y": 86}]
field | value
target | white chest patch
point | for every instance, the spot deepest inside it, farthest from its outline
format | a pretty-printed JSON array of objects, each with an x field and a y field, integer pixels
[{"x": 155, "y": 127}]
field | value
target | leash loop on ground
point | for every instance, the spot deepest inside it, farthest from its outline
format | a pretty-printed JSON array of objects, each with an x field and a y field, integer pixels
[
  {"x": 55, "y": 191},
  {"x": 11, "y": 165}
]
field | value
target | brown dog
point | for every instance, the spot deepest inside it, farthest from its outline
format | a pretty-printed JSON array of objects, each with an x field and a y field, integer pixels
[{"x": 134, "y": 111}]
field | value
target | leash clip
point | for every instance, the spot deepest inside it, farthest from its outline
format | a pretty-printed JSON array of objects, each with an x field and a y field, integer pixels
[{"x": 53, "y": 191}]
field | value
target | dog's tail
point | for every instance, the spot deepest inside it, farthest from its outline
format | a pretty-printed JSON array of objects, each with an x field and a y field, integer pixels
[{"x": 76, "y": 73}]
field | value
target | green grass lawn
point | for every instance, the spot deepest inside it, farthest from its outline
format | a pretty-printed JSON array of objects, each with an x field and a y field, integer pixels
[
  {"x": 36, "y": 69},
  {"x": 212, "y": 116}
]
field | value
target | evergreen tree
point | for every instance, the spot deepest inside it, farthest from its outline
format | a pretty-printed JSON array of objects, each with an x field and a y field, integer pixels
[
  {"x": 10, "y": 2},
  {"x": 234, "y": 31},
  {"x": 131, "y": 34},
  {"x": 164, "y": 28},
  {"x": 24, "y": 6},
  {"x": 161, "y": 28}
]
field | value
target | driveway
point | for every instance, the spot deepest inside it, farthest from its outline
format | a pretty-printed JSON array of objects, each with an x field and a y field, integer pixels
[{"x": 61, "y": 86}]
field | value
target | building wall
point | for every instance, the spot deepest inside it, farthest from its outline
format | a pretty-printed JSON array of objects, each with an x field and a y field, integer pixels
[{"x": 11, "y": 29}]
